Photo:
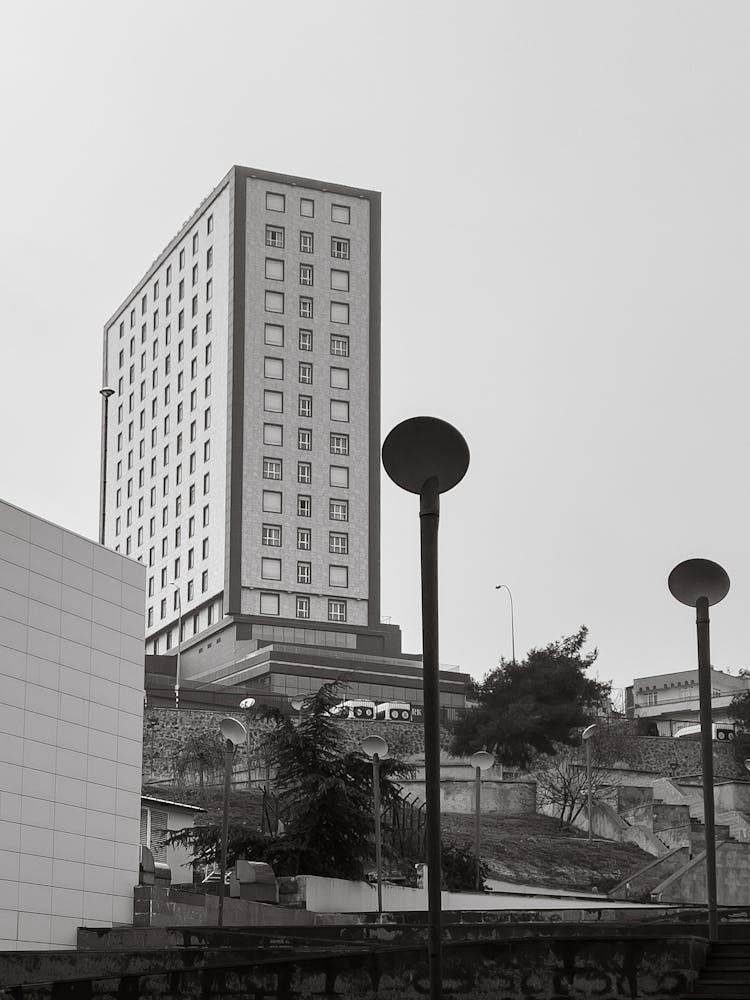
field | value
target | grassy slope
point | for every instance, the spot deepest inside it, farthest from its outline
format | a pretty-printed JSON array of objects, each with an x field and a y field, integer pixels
[{"x": 533, "y": 850}]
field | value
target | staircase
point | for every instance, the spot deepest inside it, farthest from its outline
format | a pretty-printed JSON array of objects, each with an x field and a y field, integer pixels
[{"x": 726, "y": 975}]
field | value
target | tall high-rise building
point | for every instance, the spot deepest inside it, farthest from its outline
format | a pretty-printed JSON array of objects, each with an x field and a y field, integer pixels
[{"x": 240, "y": 444}]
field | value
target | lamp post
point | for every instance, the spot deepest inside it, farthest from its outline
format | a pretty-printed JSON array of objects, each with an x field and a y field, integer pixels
[
  {"x": 504, "y": 586},
  {"x": 480, "y": 761},
  {"x": 234, "y": 734},
  {"x": 105, "y": 392},
  {"x": 376, "y": 748},
  {"x": 179, "y": 649},
  {"x": 699, "y": 583},
  {"x": 428, "y": 456},
  {"x": 586, "y": 737}
]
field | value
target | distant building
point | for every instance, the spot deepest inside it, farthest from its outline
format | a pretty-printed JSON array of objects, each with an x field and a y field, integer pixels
[{"x": 672, "y": 702}]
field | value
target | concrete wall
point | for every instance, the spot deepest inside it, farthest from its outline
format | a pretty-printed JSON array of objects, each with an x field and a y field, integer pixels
[
  {"x": 732, "y": 878},
  {"x": 167, "y": 907},
  {"x": 507, "y": 798},
  {"x": 71, "y": 706}
]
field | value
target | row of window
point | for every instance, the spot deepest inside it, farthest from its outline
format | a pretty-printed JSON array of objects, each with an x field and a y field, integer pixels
[
  {"x": 273, "y": 402},
  {"x": 338, "y": 378},
  {"x": 270, "y": 569},
  {"x": 338, "y": 475},
  {"x": 275, "y": 272},
  {"x": 274, "y": 303},
  {"x": 338, "y": 541},
  {"x": 190, "y": 597},
  {"x": 276, "y": 238},
  {"x": 273, "y": 503},
  {"x": 276, "y": 202},
  {"x": 269, "y": 605},
  {"x": 273, "y": 434},
  {"x": 273, "y": 336}
]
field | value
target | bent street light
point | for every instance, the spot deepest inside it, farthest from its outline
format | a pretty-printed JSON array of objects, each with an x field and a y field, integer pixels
[
  {"x": 586, "y": 737},
  {"x": 700, "y": 583},
  {"x": 376, "y": 748},
  {"x": 234, "y": 734},
  {"x": 428, "y": 456}
]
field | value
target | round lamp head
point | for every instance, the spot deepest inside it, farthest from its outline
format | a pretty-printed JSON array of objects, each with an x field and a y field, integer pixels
[
  {"x": 247, "y": 703},
  {"x": 747, "y": 763},
  {"x": 233, "y": 731},
  {"x": 107, "y": 391},
  {"x": 423, "y": 447},
  {"x": 482, "y": 760},
  {"x": 696, "y": 578},
  {"x": 375, "y": 745},
  {"x": 588, "y": 732},
  {"x": 298, "y": 704}
]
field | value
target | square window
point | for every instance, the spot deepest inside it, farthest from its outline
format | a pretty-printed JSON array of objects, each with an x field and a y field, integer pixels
[
  {"x": 303, "y": 607},
  {"x": 338, "y": 576},
  {"x": 274, "y": 269},
  {"x": 272, "y": 468},
  {"x": 304, "y": 439},
  {"x": 304, "y": 473},
  {"x": 339, "y": 444},
  {"x": 304, "y": 539},
  {"x": 305, "y": 340},
  {"x": 275, "y": 202},
  {"x": 306, "y": 307},
  {"x": 338, "y": 510},
  {"x": 271, "y": 502},
  {"x": 271, "y": 535},
  {"x": 269, "y": 604},
  {"x": 274, "y": 335},
  {"x": 306, "y": 242},
  {"x": 305, "y": 372},
  {"x": 304, "y": 406},
  {"x": 339, "y": 280},
  {"x": 339, "y": 248},
  {"x": 273, "y": 434},
  {"x": 306, "y": 274},
  {"x": 304, "y": 506},
  {"x": 336, "y": 611},
  {"x": 339, "y": 312},
  {"x": 307, "y": 208},
  {"x": 339, "y": 346},
  {"x": 273, "y": 368},
  {"x": 273, "y": 402},
  {"x": 274, "y": 302},
  {"x": 340, "y": 410},
  {"x": 304, "y": 572},
  {"x": 339, "y": 378},
  {"x": 270, "y": 569},
  {"x": 339, "y": 476},
  {"x": 338, "y": 541},
  {"x": 340, "y": 213},
  {"x": 275, "y": 237}
]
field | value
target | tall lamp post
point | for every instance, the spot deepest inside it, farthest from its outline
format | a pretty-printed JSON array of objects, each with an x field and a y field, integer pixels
[
  {"x": 700, "y": 583},
  {"x": 376, "y": 748},
  {"x": 586, "y": 737},
  {"x": 179, "y": 649},
  {"x": 428, "y": 456},
  {"x": 234, "y": 734},
  {"x": 504, "y": 586},
  {"x": 480, "y": 761},
  {"x": 105, "y": 392}
]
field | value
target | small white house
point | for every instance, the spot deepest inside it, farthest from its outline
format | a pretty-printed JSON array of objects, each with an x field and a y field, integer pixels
[{"x": 160, "y": 817}]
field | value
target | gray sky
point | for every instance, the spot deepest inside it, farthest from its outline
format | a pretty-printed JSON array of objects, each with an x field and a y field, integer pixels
[{"x": 566, "y": 248}]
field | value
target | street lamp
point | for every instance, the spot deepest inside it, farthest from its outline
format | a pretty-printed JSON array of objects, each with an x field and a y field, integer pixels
[
  {"x": 428, "y": 456},
  {"x": 504, "y": 586},
  {"x": 179, "y": 650},
  {"x": 480, "y": 761},
  {"x": 376, "y": 748},
  {"x": 586, "y": 737},
  {"x": 234, "y": 734},
  {"x": 105, "y": 392},
  {"x": 700, "y": 583}
]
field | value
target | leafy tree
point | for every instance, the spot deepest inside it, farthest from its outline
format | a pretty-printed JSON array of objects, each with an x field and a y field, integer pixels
[
  {"x": 458, "y": 863},
  {"x": 201, "y": 755},
  {"x": 529, "y": 706}
]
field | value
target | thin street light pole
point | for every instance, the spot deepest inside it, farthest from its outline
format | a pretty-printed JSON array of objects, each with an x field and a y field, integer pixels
[
  {"x": 378, "y": 847},
  {"x": 105, "y": 393},
  {"x": 179, "y": 649},
  {"x": 588, "y": 783},
  {"x": 228, "y": 755},
  {"x": 707, "y": 753},
  {"x": 504, "y": 586}
]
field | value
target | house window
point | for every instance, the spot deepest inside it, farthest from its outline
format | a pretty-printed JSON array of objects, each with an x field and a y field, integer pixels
[
  {"x": 273, "y": 368},
  {"x": 209, "y": 258},
  {"x": 274, "y": 302},
  {"x": 339, "y": 410},
  {"x": 339, "y": 444},
  {"x": 269, "y": 604},
  {"x": 338, "y": 576},
  {"x": 304, "y": 539},
  {"x": 338, "y": 476},
  {"x": 306, "y": 274},
  {"x": 339, "y": 346},
  {"x": 339, "y": 378},
  {"x": 273, "y": 402},
  {"x": 304, "y": 506},
  {"x": 273, "y": 434},
  {"x": 338, "y": 510},
  {"x": 339, "y": 248},
  {"x": 195, "y": 243},
  {"x": 305, "y": 340},
  {"x": 307, "y": 208},
  {"x": 304, "y": 406},
  {"x": 210, "y": 224},
  {"x": 271, "y": 501},
  {"x": 304, "y": 572},
  {"x": 304, "y": 472},
  {"x": 304, "y": 439},
  {"x": 306, "y": 242},
  {"x": 274, "y": 269},
  {"x": 275, "y": 237},
  {"x": 338, "y": 542},
  {"x": 339, "y": 312},
  {"x": 204, "y": 581},
  {"x": 305, "y": 372},
  {"x": 341, "y": 214},
  {"x": 274, "y": 335},
  {"x": 306, "y": 307},
  {"x": 339, "y": 280},
  {"x": 336, "y": 611},
  {"x": 272, "y": 535},
  {"x": 270, "y": 569},
  {"x": 303, "y": 607},
  {"x": 275, "y": 202},
  {"x": 272, "y": 468}
]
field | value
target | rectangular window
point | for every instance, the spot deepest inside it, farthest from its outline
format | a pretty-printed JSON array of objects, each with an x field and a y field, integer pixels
[
  {"x": 209, "y": 289},
  {"x": 339, "y": 444},
  {"x": 275, "y": 237},
  {"x": 338, "y": 542},
  {"x": 304, "y": 473},
  {"x": 274, "y": 335},
  {"x": 269, "y": 604},
  {"x": 273, "y": 434},
  {"x": 209, "y": 321},
  {"x": 275, "y": 202},
  {"x": 340, "y": 410},
  {"x": 273, "y": 402},
  {"x": 306, "y": 274},
  {"x": 305, "y": 340},
  {"x": 204, "y": 549},
  {"x": 195, "y": 274},
  {"x": 210, "y": 224},
  {"x": 274, "y": 302},
  {"x": 338, "y": 576},
  {"x": 304, "y": 406},
  {"x": 272, "y": 468},
  {"x": 338, "y": 510},
  {"x": 306, "y": 307},
  {"x": 339, "y": 312},
  {"x": 206, "y": 483},
  {"x": 194, "y": 306},
  {"x": 207, "y": 386},
  {"x": 341, "y": 214},
  {"x": 181, "y": 290},
  {"x": 304, "y": 506},
  {"x": 306, "y": 242},
  {"x": 273, "y": 368},
  {"x": 204, "y": 581},
  {"x": 303, "y": 607},
  {"x": 339, "y": 378},
  {"x": 195, "y": 243},
  {"x": 307, "y": 208},
  {"x": 304, "y": 439},
  {"x": 271, "y": 535},
  {"x": 339, "y": 346},
  {"x": 190, "y": 590},
  {"x": 207, "y": 418},
  {"x": 209, "y": 258},
  {"x": 271, "y": 501},
  {"x": 169, "y": 274},
  {"x": 304, "y": 572},
  {"x": 305, "y": 372},
  {"x": 338, "y": 476},
  {"x": 339, "y": 248},
  {"x": 274, "y": 269},
  {"x": 270, "y": 569},
  {"x": 304, "y": 539},
  {"x": 208, "y": 354},
  {"x": 205, "y": 516},
  {"x": 339, "y": 280},
  {"x": 336, "y": 611}
]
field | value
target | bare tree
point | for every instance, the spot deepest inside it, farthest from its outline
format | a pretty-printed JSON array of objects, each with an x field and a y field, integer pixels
[{"x": 562, "y": 781}]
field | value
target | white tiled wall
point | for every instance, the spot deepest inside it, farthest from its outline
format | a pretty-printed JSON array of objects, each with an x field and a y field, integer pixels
[{"x": 71, "y": 708}]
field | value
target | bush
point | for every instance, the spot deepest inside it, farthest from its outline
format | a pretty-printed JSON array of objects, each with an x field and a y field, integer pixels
[{"x": 459, "y": 864}]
